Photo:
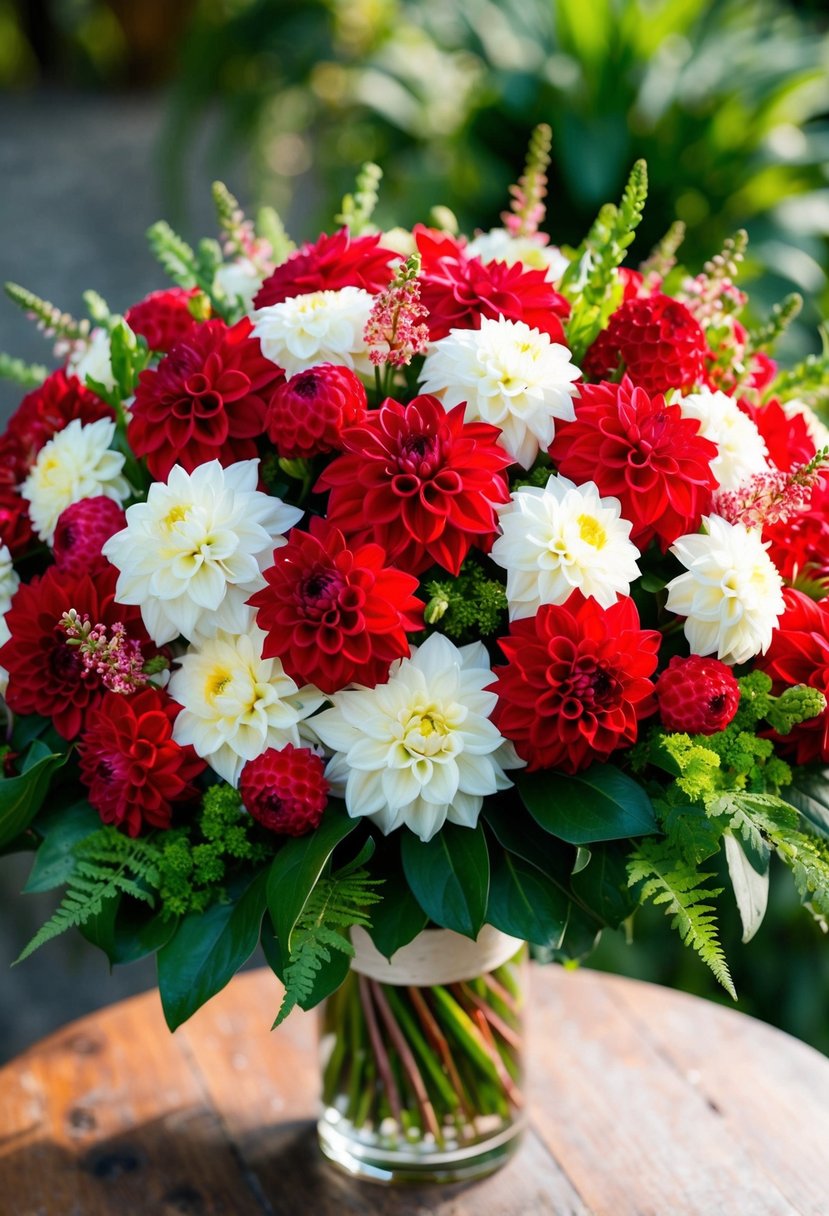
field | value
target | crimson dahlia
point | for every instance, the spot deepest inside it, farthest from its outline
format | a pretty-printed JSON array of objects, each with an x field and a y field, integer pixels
[
  {"x": 799, "y": 654},
  {"x": 419, "y": 481},
  {"x": 800, "y": 545},
  {"x": 787, "y": 439},
  {"x": 329, "y": 264},
  {"x": 308, "y": 413},
  {"x": 46, "y": 675},
  {"x": 206, "y": 400},
  {"x": 133, "y": 769},
  {"x": 643, "y": 452},
  {"x": 656, "y": 339},
  {"x": 59, "y": 400},
  {"x": 163, "y": 318},
  {"x": 285, "y": 789},
  {"x": 697, "y": 696},
  {"x": 334, "y": 613},
  {"x": 576, "y": 682}
]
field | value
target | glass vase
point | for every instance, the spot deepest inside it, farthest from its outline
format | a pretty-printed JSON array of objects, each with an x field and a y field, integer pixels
[{"x": 422, "y": 1059}]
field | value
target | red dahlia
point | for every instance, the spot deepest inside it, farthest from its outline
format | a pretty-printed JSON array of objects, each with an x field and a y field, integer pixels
[
  {"x": 48, "y": 409},
  {"x": 800, "y": 546},
  {"x": 335, "y": 614},
  {"x": 15, "y": 525},
  {"x": 82, "y": 530},
  {"x": 329, "y": 264},
  {"x": 285, "y": 790},
  {"x": 658, "y": 342},
  {"x": 206, "y": 400},
  {"x": 163, "y": 318},
  {"x": 576, "y": 682},
  {"x": 133, "y": 769},
  {"x": 307, "y": 413},
  {"x": 46, "y": 674},
  {"x": 799, "y": 654},
  {"x": 697, "y": 696},
  {"x": 420, "y": 482},
  {"x": 643, "y": 452},
  {"x": 787, "y": 440},
  {"x": 458, "y": 290}
]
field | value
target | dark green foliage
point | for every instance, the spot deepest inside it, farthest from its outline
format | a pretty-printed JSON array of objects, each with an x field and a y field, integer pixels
[{"x": 467, "y": 607}]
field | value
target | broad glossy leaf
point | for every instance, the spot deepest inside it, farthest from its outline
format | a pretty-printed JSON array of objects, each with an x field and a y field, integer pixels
[
  {"x": 601, "y": 803},
  {"x": 62, "y": 828},
  {"x": 525, "y": 903},
  {"x": 603, "y": 884},
  {"x": 21, "y": 797},
  {"x": 810, "y": 796},
  {"x": 398, "y": 919},
  {"x": 449, "y": 876},
  {"x": 751, "y": 886}
]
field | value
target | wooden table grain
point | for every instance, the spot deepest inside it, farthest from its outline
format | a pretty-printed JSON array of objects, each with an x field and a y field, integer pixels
[{"x": 643, "y": 1102}]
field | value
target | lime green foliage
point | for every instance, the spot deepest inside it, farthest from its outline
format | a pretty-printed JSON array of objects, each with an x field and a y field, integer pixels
[
  {"x": 27, "y": 375},
  {"x": 765, "y": 337},
  {"x": 193, "y": 862},
  {"x": 191, "y": 267},
  {"x": 590, "y": 281},
  {"x": 677, "y": 886},
  {"x": 808, "y": 381},
  {"x": 357, "y": 208},
  {"x": 469, "y": 604},
  {"x": 334, "y": 905},
  {"x": 108, "y": 864}
]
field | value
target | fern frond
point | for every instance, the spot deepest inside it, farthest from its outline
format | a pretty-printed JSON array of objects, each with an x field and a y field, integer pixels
[
  {"x": 676, "y": 886},
  {"x": 335, "y": 904},
  {"x": 108, "y": 864}
]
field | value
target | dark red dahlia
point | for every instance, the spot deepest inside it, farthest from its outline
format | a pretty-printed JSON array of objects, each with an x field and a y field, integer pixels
[
  {"x": 15, "y": 525},
  {"x": 133, "y": 769},
  {"x": 799, "y": 654},
  {"x": 420, "y": 482},
  {"x": 46, "y": 674},
  {"x": 458, "y": 290},
  {"x": 329, "y": 264},
  {"x": 657, "y": 342},
  {"x": 59, "y": 400},
  {"x": 643, "y": 452},
  {"x": 82, "y": 530},
  {"x": 697, "y": 696},
  {"x": 163, "y": 318},
  {"x": 576, "y": 682},
  {"x": 335, "y": 614},
  {"x": 787, "y": 440},
  {"x": 285, "y": 790},
  {"x": 206, "y": 400},
  {"x": 800, "y": 546},
  {"x": 308, "y": 413}
]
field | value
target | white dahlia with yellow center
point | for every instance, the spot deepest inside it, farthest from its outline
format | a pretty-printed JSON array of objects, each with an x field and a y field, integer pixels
[
  {"x": 498, "y": 245},
  {"x": 420, "y": 749},
  {"x": 732, "y": 594},
  {"x": 740, "y": 446},
  {"x": 509, "y": 375},
  {"x": 78, "y": 463},
  {"x": 560, "y": 538},
  {"x": 193, "y": 553},
  {"x": 320, "y": 327},
  {"x": 9, "y": 582},
  {"x": 237, "y": 705}
]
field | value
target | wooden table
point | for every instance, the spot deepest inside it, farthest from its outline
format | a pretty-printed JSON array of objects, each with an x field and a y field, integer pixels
[{"x": 644, "y": 1102}]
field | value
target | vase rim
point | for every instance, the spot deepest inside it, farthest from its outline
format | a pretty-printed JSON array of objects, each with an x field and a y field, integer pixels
[{"x": 434, "y": 956}]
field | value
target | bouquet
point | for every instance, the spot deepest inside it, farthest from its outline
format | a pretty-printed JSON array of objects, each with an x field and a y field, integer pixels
[{"x": 404, "y": 580}]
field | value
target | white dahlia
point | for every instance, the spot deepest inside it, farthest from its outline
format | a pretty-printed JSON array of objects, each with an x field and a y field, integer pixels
[
  {"x": 498, "y": 245},
  {"x": 562, "y": 537},
  {"x": 420, "y": 749},
  {"x": 194, "y": 551},
  {"x": 236, "y": 704},
  {"x": 320, "y": 327},
  {"x": 78, "y": 463},
  {"x": 512, "y": 376},
  {"x": 732, "y": 595},
  {"x": 9, "y": 582},
  {"x": 94, "y": 359},
  {"x": 742, "y": 451},
  {"x": 238, "y": 279}
]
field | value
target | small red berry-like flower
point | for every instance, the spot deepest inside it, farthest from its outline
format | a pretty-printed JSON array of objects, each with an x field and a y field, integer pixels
[
  {"x": 285, "y": 790},
  {"x": 82, "y": 530},
  {"x": 643, "y": 452},
  {"x": 420, "y": 481},
  {"x": 206, "y": 400},
  {"x": 329, "y": 264},
  {"x": 335, "y": 613},
  {"x": 657, "y": 341},
  {"x": 308, "y": 413},
  {"x": 576, "y": 682},
  {"x": 163, "y": 318},
  {"x": 133, "y": 769},
  {"x": 697, "y": 696}
]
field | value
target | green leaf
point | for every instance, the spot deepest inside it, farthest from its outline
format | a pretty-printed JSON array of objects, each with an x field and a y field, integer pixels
[
  {"x": 525, "y": 903},
  {"x": 603, "y": 884},
  {"x": 61, "y": 829},
  {"x": 516, "y": 830},
  {"x": 398, "y": 919},
  {"x": 602, "y": 803},
  {"x": 331, "y": 973},
  {"x": 207, "y": 950},
  {"x": 751, "y": 887},
  {"x": 135, "y": 935},
  {"x": 21, "y": 797},
  {"x": 298, "y": 865},
  {"x": 580, "y": 936},
  {"x": 810, "y": 795},
  {"x": 449, "y": 876}
]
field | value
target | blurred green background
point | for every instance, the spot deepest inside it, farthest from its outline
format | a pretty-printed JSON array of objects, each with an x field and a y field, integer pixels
[{"x": 728, "y": 102}]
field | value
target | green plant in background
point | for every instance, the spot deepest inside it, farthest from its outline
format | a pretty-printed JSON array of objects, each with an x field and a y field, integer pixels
[{"x": 727, "y": 102}]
